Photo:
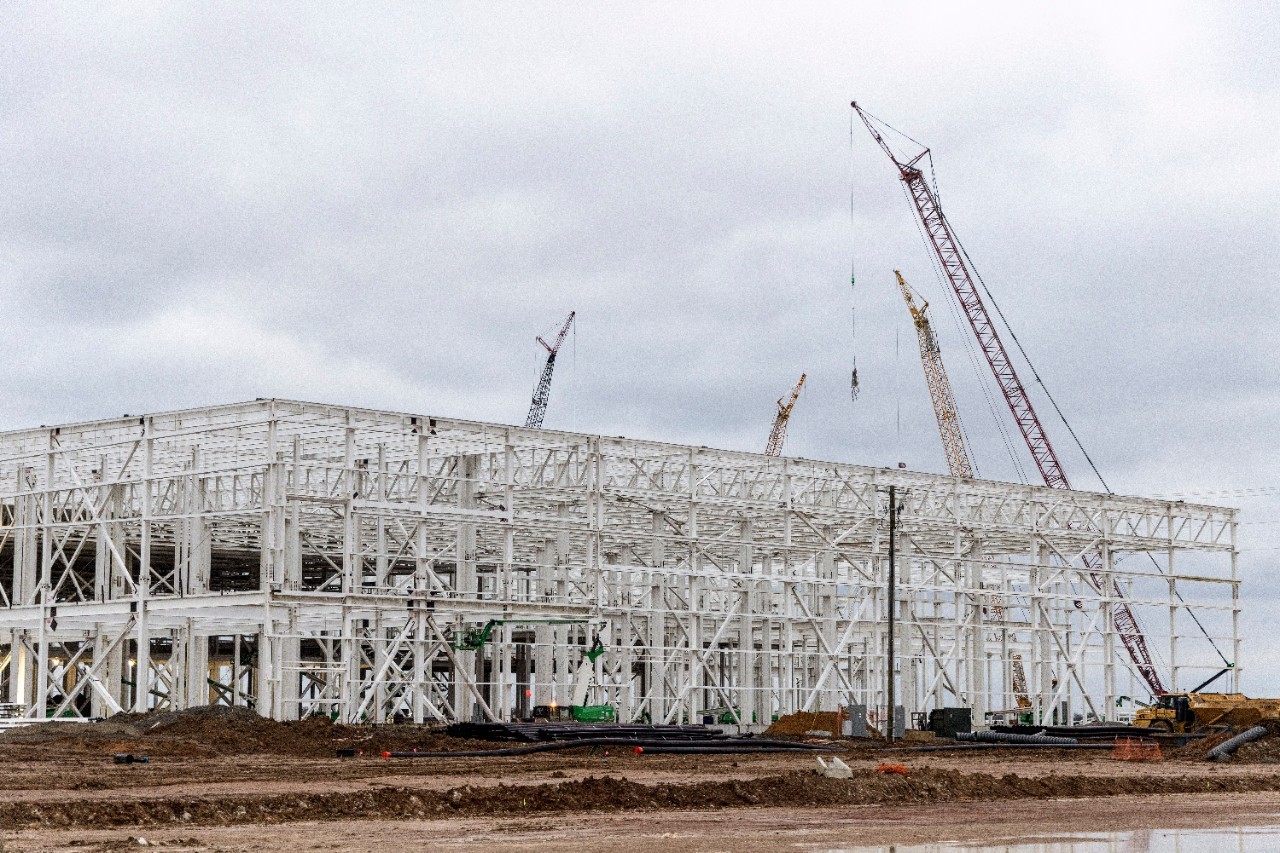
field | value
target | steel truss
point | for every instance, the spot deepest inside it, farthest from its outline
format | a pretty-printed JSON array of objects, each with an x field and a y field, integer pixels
[{"x": 301, "y": 558}]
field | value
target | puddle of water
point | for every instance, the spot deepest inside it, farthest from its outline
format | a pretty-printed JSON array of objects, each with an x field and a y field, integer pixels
[{"x": 1247, "y": 839}]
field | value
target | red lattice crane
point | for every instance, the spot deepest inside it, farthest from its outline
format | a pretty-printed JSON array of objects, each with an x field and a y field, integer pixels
[
  {"x": 947, "y": 249},
  {"x": 538, "y": 408}
]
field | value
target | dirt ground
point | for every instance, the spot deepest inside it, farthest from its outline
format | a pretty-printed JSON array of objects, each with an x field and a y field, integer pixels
[{"x": 222, "y": 780}]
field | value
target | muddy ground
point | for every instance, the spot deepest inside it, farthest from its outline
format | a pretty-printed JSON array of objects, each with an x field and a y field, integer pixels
[{"x": 222, "y": 780}]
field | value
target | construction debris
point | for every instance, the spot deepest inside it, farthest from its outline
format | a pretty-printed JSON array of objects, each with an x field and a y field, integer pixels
[{"x": 834, "y": 769}]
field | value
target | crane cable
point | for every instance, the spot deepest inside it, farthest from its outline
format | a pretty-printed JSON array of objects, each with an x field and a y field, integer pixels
[
  {"x": 984, "y": 379},
  {"x": 970, "y": 347},
  {"x": 854, "y": 385},
  {"x": 573, "y": 386},
  {"x": 1036, "y": 374}
]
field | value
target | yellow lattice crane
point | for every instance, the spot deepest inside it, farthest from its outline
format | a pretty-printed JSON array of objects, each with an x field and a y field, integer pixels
[
  {"x": 778, "y": 434},
  {"x": 953, "y": 443},
  {"x": 944, "y": 402}
]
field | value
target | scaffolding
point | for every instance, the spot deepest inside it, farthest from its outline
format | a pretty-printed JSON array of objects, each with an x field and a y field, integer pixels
[{"x": 300, "y": 558}]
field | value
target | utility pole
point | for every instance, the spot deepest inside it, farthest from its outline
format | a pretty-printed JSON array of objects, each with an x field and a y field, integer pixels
[{"x": 893, "y": 600}]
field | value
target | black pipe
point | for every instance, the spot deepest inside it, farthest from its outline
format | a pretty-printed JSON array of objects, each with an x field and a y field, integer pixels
[
  {"x": 533, "y": 732},
  {"x": 1002, "y": 737},
  {"x": 959, "y": 746},
  {"x": 731, "y": 749},
  {"x": 737, "y": 745},
  {"x": 1091, "y": 732},
  {"x": 1223, "y": 751}
]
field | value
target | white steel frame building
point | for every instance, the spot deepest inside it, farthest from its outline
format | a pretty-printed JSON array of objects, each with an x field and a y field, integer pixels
[{"x": 302, "y": 558}]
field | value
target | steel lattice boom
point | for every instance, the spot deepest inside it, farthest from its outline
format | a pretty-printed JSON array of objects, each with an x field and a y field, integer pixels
[
  {"x": 944, "y": 402},
  {"x": 538, "y": 408},
  {"x": 947, "y": 249},
  {"x": 778, "y": 434},
  {"x": 953, "y": 443}
]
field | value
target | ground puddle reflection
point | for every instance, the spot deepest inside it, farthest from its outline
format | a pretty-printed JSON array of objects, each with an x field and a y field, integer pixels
[{"x": 1247, "y": 839}]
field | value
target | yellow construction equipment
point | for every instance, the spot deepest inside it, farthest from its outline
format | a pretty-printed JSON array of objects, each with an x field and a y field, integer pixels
[
  {"x": 944, "y": 402},
  {"x": 1190, "y": 712},
  {"x": 778, "y": 434},
  {"x": 953, "y": 443}
]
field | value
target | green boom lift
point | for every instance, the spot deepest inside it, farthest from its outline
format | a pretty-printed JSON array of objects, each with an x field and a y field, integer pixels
[{"x": 474, "y": 639}]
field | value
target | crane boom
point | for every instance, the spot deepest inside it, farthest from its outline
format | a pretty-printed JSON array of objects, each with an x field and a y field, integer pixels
[
  {"x": 947, "y": 249},
  {"x": 935, "y": 375},
  {"x": 542, "y": 394},
  {"x": 953, "y": 443},
  {"x": 778, "y": 434}
]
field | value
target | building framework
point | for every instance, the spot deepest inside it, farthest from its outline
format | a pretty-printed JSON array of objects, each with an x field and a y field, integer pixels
[{"x": 301, "y": 558}]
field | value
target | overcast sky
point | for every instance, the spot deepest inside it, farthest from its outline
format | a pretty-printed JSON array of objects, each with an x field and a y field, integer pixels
[{"x": 384, "y": 207}]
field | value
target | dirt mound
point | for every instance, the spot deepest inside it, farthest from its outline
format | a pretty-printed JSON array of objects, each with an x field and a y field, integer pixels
[
  {"x": 1263, "y": 751},
  {"x": 796, "y": 789},
  {"x": 115, "y": 728},
  {"x": 803, "y": 722},
  {"x": 1194, "y": 750},
  {"x": 214, "y": 730},
  {"x": 195, "y": 717}
]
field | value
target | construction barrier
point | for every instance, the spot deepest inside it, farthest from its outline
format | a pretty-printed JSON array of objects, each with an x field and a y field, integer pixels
[{"x": 1136, "y": 749}]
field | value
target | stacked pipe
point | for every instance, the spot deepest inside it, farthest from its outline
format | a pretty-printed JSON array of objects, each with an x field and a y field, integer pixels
[
  {"x": 642, "y": 738},
  {"x": 952, "y": 747},
  {"x": 706, "y": 746},
  {"x": 1107, "y": 732},
  {"x": 538, "y": 732},
  {"x": 1002, "y": 737}
]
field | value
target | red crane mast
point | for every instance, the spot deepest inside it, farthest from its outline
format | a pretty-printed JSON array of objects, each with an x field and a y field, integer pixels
[{"x": 947, "y": 250}]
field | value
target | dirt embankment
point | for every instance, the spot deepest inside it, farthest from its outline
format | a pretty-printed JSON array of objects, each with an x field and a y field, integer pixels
[
  {"x": 221, "y": 766},
  {"x": 794, "y": 790},
  {"x": 216, "y": 730}
]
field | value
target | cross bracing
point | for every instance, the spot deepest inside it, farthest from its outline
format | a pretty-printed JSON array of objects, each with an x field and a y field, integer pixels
[{"x": 304, "y": 558}]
